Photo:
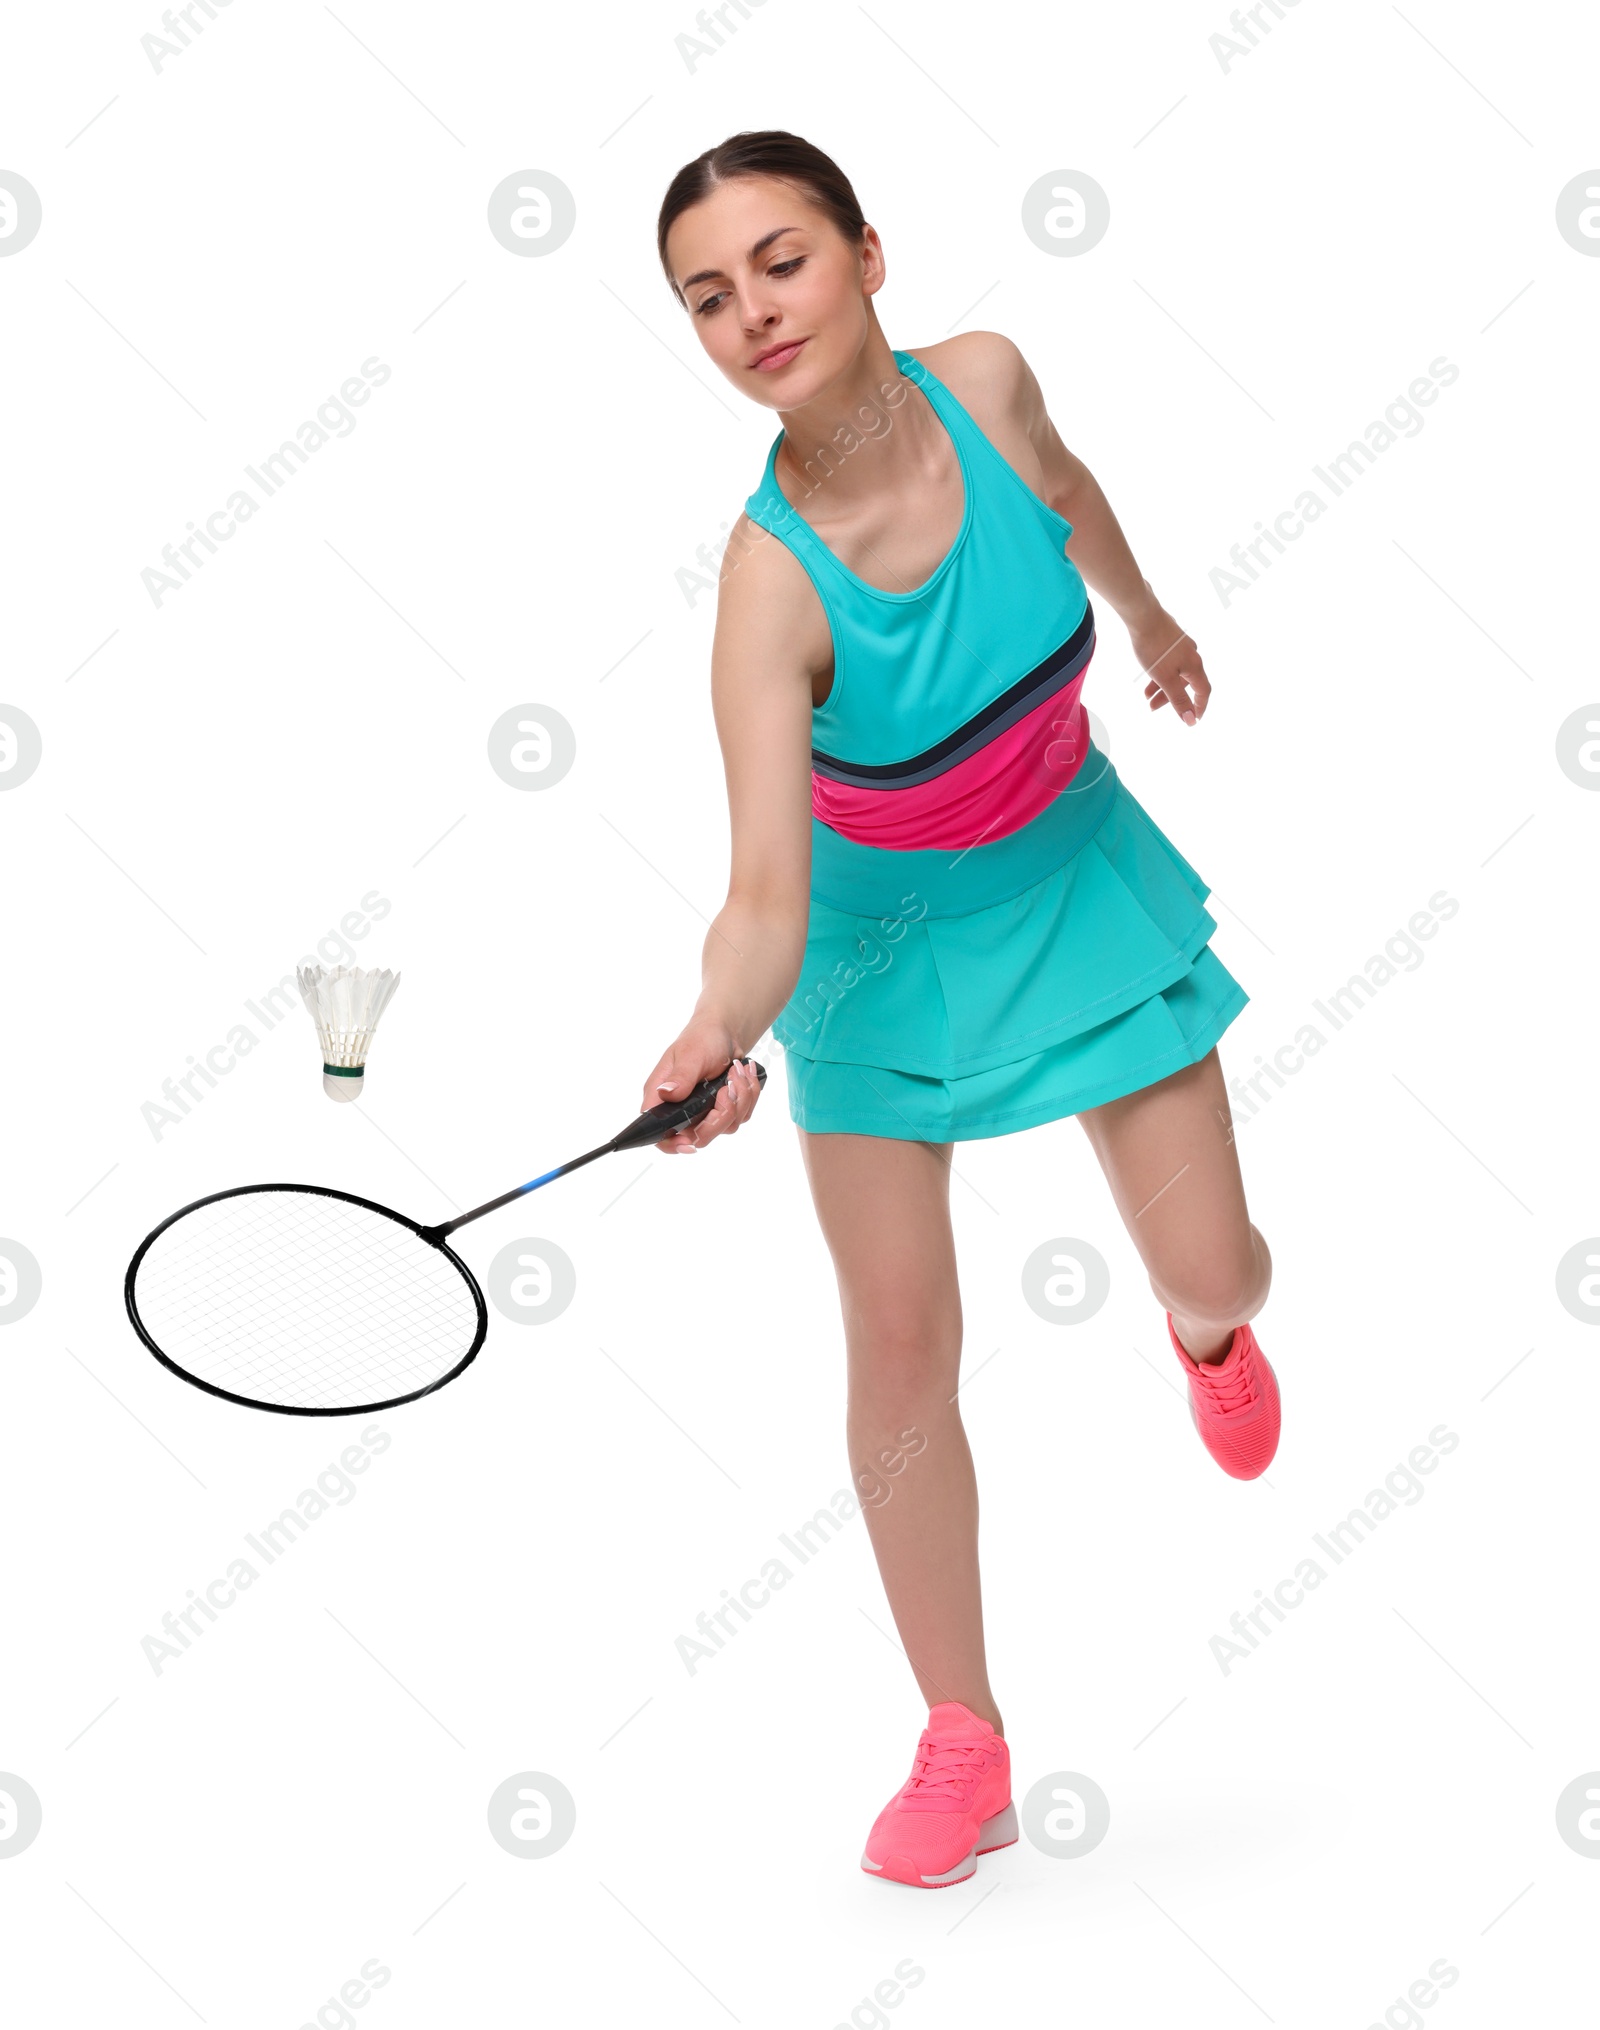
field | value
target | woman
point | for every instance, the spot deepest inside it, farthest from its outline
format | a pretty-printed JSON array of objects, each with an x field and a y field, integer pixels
[{"x": 955, "y": 918}]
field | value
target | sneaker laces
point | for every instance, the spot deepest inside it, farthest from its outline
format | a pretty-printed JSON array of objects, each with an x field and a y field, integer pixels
[
  {"x": 942, "y": 1767},
  {"x": 1230, "y": 1385}
]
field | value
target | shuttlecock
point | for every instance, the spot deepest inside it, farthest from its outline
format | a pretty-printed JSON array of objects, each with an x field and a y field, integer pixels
[{"x": 345, "y": 1005}]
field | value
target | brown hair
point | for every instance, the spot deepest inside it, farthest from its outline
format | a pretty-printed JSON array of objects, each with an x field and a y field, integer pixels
[{"x": 769, "y": 152}]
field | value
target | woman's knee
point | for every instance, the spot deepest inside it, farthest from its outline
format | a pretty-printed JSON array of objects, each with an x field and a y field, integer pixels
[
  {"x": 901, "y": 1360},
  {"x": 1225, "y": 1288}
]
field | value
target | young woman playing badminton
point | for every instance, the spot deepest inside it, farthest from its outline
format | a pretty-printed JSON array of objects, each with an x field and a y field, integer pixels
[{"x": 953, "y": 914}]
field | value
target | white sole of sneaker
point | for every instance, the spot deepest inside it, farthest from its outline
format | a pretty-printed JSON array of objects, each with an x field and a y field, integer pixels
[{"x": 1000, "y": 1831}]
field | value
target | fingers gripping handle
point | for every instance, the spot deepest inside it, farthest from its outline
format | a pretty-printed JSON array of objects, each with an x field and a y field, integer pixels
[{"x": 672, "y": 1115}]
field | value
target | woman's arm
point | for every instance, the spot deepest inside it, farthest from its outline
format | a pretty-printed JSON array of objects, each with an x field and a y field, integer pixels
[
  {"x": 1099, "y": 549},
  {"x": 762, "y": 656}
]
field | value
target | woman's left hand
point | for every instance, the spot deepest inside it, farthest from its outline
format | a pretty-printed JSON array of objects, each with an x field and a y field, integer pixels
[{"x": 1172, "y": 663}]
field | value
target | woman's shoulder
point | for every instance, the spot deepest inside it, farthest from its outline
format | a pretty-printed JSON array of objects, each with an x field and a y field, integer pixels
[
  {"x": 988, "y": 376},
  {"x": 764, "y": 593},
  {"x": 984, "y": 370}
]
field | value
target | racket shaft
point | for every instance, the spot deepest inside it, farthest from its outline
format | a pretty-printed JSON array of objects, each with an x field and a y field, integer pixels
[
  {"x": 439, "y": 1233},
  {"x": 647, "y": 1128}
]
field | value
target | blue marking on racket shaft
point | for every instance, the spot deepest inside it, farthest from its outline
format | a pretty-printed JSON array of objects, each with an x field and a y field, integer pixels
[
  {"x": 438, "y": 1234},
  {"x": 651, "y": 1126}
]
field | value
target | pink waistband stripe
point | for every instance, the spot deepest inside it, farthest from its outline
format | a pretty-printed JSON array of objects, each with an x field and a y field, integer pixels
[{"x": 995, "y": 791}]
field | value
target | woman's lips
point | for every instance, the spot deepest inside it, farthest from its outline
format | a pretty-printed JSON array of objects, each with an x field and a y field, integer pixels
[{"x": 781, "y": 358}]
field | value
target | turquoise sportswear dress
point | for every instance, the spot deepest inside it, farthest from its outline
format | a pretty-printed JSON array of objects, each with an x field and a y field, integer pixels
[{"x": 999, "y": 934}]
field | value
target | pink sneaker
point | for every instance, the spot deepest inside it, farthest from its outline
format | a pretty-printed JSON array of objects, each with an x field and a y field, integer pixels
[
  {"x": 954, "y": 1806},
  {"x": 1234, "y": 1403}
]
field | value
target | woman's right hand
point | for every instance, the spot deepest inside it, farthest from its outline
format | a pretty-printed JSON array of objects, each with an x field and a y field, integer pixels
[{"x": 703, "y": 1050}]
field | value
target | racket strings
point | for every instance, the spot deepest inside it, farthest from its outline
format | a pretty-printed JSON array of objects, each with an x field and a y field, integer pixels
[{"x": 302, "y": 1300}]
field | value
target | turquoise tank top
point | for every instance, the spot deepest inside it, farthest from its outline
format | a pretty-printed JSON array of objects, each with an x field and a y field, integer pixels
[{"x": 953, "y": 722}]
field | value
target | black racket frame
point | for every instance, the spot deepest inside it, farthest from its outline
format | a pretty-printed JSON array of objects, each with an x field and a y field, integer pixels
[{"x": 300, "y": 1409}]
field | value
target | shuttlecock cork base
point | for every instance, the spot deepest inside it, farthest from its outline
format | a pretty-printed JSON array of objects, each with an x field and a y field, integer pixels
[{"x": 345, "y": 1005}]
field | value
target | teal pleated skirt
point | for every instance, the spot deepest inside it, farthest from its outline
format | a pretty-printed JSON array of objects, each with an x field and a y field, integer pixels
[{"x": 948, "y": 996}]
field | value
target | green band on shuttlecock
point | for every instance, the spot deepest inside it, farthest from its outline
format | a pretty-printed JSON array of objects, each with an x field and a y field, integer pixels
[{"x": 344, "y": 1070}]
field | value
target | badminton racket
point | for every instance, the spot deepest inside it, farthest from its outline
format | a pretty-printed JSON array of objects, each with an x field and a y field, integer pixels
[{"x": 315, "y": 1302}]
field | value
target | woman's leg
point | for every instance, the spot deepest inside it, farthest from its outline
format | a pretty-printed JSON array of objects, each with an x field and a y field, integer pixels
[
  {"x": 1168, "y": 1154},
  {"x": 884, "y": 1209}
]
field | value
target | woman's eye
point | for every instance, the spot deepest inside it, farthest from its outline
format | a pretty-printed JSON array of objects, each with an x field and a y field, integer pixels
[{"x": 782, "y": 268}]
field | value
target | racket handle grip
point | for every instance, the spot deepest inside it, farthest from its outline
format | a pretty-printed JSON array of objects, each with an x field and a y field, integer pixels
[{"x": 672, "y": 1115}]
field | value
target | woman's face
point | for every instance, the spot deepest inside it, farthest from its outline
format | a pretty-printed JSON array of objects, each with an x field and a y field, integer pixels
[{"x": 762, "y": 267}]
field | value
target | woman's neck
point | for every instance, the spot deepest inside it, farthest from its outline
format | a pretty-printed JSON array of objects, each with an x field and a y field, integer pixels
[{"x": 866, "y": 407}]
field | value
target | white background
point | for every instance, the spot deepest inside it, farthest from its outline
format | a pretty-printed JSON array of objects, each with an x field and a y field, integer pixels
[{"x": 1293, "y": 240}]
